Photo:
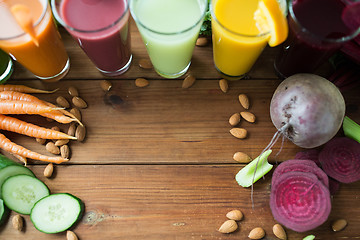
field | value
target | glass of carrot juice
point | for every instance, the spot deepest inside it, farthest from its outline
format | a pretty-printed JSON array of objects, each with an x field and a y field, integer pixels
[
  {"x": 237, "y": 42},
  {"x": 29, "y": 35}
]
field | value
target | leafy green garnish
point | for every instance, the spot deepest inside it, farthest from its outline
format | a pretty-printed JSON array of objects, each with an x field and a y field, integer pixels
[
  {"x": 351, "y": 129},
  {"x": 205, "y": 29},
  {"x": 255, "y": 170}
]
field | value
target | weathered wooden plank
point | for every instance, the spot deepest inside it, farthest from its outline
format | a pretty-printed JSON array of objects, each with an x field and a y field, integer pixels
[{"x": 174, "y": 202}]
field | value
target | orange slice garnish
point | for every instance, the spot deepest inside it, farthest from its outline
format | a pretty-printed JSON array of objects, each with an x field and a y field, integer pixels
[{"x": 270, "y": 17}]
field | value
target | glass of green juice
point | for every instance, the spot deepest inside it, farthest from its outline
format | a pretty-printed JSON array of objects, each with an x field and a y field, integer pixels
[
  {"x": 6, "y": 67},
  {"x": 169, "y": 29}
]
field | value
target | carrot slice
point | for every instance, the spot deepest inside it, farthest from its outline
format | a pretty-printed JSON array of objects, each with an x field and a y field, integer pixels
[
  {"x": 15, "y": 125},
  {"x": 12, "y": 147}
]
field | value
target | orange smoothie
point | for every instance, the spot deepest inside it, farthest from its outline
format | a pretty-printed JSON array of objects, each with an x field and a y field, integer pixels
[
  {"x": 43, "y": 53},
  {"x": 237, "y": 42}
]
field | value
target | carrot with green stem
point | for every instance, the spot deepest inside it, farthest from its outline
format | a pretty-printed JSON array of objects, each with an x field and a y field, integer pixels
[
  {"x": 24, "y": 89},
  {"x": 15, "y": 125},
  {"x": 23, "y": 107},
  {"x": 58, "y": 115},
  {"x": 13, "y": 148}
]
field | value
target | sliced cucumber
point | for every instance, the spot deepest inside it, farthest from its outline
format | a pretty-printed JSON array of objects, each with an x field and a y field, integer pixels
[
  {"x": 13, "y": 170},
  {"x": 56, "y": 213},
  {"x": 21, "y": 192},
  {"x": 5, "y": 161},
  {"x": 4, "y": 212}
]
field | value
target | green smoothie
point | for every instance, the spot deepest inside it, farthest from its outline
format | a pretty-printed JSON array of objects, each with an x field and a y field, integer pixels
[
  {"x": 6, "y": 67},
  {"x": 169, "y": 29}
]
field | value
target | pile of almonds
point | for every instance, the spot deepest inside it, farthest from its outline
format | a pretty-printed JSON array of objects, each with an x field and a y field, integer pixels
[
  {"x": 231, "y": 225},
  {"x": 61, "y": 146}
]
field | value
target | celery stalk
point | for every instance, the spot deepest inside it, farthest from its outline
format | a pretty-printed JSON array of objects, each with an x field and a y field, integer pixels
[
  {"x": 245, "y": 177},
  {"x": 351, "y": 129},
  {"x": 310, "y": 237}
]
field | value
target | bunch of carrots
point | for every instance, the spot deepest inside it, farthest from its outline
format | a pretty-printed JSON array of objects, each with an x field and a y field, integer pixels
[{"x": 16, "y": 99}]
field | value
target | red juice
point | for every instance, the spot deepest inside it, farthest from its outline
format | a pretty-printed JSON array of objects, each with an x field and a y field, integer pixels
[
  {"x": 102, "y": 30},
  {"x": 315, "y": 32}
]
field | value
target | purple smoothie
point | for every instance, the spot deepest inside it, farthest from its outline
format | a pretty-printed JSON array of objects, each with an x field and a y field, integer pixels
[
  {"x": 102, "y": 30},
  {"x": 315, "y": 30}
]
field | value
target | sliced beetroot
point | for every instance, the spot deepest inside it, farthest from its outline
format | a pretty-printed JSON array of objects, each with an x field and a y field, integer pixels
[
  {"x": 299, "y": 201},
  {"x": 311, "y": 154},
  {"x": 297, "y": 165},
  {"x": 350, "y": 15},
  {"x": 340, "y": 159}
]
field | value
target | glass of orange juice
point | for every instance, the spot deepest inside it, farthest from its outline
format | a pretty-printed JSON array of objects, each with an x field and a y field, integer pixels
[
  {"x": 237, "y": 40},
  {"x": 29, "y": 35}
]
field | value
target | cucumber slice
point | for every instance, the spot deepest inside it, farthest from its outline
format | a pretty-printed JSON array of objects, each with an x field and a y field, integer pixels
[
  {"x": 56, "y": 213},
  {"x": 4, "y": 212},
  {"x": 13, "y": 170},
  {"x": 4, "y": 162},
  {"x": 21, "y": 192}
]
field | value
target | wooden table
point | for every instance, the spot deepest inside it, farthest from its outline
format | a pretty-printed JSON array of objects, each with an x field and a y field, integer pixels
[{"x": 159, "y": 165}]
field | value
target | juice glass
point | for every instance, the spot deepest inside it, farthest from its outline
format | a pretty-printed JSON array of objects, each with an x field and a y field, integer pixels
[
  {"x": 169, "y": 29},
  {"x": 101, "y": 29},
  {"x": 237, "y": 42},
  {"x": 316, "y": 32},
  {"x": 43, "y": 53},
  {"x": 6, "y": 67}
]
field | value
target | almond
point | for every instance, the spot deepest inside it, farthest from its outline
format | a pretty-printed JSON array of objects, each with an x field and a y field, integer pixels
[
  {"x": 79, "y": 102},
  {"x": 242, "y": 157},
  {"x": 338, "y": 225},
  {"x": 224, "y": 86},
  {"x": 76, "y": 112},
  {"x": 238, "y": 132},
  {"x": 65, "y": 151},
  {"x": 61, "y": 142},
  {"x": 70, "y": 235},
  {"x": 80, "y": 133},
  {"x": 42, "y": 141},
  {"x": 51, "y": 148},
  {"x": 73, "y": 91},
  {"x": 145, "y": 64},
  {"x": 248, "y": 116},
  {"x": 17, "y": 222},
  {"x": 228, "y": 226},
  {"x": 234, "y": 119},
  {"x": 244, "y": 101},
  {"x": 279, "y": 232},
  {"x": 141, "y": 82},
  {"x": 62, "y": 102},
  {"x": 188, "y": 81},
  {"x": 202, "y": 42},
  {"x": 105, "y": 85},
  {"x": 72, "y": 129},
  {"x": 235, "y": 215},
  {"x": 48, "y": 171},
  {"x": 257, "y": 233}
]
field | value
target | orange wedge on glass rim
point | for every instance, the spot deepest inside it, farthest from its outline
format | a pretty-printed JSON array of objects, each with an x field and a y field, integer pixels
[{"x": 270, "y": 17}]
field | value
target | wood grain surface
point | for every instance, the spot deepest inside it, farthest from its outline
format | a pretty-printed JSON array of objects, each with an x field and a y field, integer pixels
[{"x": 157, "y": 161}]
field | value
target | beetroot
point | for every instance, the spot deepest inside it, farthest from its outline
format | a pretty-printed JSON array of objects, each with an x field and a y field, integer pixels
[
  {"x": 311, "y": 154},
  {"x": 307, "y": 109},
  {"x": 340, "y": 159},
  {"x": 299, "y": 201},
  {"x": 307, "y": 166}
]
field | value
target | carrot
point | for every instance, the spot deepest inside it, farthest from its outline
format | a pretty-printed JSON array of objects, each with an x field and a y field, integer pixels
[
  {"x": 23, "y": 107},
  {"x": 21, "y": 158},
  {"x": 56, "y": 115},
  {"x": 15, "y": 125},
  {"x": 13, "y": 148},
  {"x": 23, "y": 88}
]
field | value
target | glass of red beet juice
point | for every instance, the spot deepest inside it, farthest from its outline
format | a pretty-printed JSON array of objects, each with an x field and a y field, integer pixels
[
  {"x": 101, "y": 29},
  {"x": 316, "y": 31}
]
